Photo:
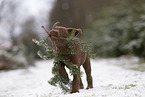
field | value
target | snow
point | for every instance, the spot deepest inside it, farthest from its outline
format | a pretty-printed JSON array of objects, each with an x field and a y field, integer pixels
[{"x": 110, "y": 79}]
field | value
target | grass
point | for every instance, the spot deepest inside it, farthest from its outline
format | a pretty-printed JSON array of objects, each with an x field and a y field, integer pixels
[{"x": 125, "y": 87}]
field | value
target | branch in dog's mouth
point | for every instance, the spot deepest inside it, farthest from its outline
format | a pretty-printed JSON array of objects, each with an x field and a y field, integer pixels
[
  {"x": 46, "y": 31},
  {"x": 49, "y": 35}
]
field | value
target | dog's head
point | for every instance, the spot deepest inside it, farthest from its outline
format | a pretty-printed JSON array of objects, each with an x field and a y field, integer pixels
[{"x": 59, "y": 33}]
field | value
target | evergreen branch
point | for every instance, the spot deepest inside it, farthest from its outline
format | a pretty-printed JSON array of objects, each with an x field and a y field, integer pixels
[
  {"x": 45, "y": 30},
  {"x": 42, "y": 42},
  {"x": 45, "y": 57},
  {"x": 49, "y": 36}
]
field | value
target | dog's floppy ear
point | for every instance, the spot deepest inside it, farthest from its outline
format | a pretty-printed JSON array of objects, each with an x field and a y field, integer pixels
[
  {"x": 75, "y": 31},
  {"x": 55, "y": 25}
]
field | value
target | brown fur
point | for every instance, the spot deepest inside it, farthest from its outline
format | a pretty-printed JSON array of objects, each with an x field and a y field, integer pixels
[{"x": 58, "y": 36}]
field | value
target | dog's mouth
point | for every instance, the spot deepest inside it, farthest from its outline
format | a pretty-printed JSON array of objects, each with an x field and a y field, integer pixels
[
  {"x": 54, "y": 38},
  {"x": 57, "y": 35}
]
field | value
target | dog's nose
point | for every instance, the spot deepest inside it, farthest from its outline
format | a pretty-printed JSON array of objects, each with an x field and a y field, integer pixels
[{"x": 53, "y": 33}]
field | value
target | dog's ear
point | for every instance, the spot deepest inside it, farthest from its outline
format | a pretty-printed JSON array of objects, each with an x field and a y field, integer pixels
[
  {"x": 75, "y": 31},
  {"x": 55, "y": 25}
]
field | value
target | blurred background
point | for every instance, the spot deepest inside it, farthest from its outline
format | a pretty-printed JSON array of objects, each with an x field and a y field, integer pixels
[{"x": 114, "y": 27}]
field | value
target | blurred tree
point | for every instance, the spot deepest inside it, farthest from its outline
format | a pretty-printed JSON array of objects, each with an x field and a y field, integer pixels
[
  {"x": 25, "y": 38},
  {"x": 1, "y": 8},
  {"x": 22, "y": 51},
  {"x": 120, "y": 31},
  {"x": 76, "y": 13},
  {"x": 9, "y": 18}
]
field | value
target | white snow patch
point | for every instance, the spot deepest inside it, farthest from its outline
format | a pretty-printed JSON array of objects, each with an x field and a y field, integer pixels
[{"x": 109, "y": 81}]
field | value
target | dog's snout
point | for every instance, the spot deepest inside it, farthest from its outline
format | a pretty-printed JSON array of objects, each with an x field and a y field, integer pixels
[{"x": 53, "y": 33}]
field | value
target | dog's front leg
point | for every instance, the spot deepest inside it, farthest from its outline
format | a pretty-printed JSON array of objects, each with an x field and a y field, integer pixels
[
  {"x": 63, "y": 72},
  {"x": 75, "y": 84}
]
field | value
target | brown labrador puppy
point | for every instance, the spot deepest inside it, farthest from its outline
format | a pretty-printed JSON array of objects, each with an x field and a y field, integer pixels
[{"x": 58, "y": 36}]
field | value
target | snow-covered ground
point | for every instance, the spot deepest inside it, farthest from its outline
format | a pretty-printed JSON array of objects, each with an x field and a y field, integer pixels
[{"x": 110, "y": 79}]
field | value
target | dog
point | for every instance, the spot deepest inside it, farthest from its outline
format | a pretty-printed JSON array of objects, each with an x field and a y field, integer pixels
[{"x": 58, "y": 35}]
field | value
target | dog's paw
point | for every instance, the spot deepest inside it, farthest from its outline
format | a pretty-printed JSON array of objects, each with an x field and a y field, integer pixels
[
  {"x": 89, "y": 87},
  {"x": 74, "y": 92},
  {"x": 81, "y": 87}
]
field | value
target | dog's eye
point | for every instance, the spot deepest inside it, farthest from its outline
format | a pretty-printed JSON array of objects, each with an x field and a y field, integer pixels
[
  {"x": 61, "y": 31},
  {"x": 70, "y": 30}
]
